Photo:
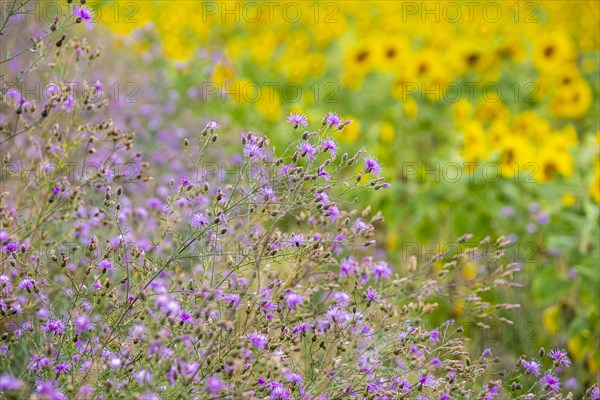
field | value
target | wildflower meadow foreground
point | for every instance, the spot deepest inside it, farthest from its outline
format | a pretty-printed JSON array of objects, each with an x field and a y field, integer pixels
[{"x": 207, "y": 261}]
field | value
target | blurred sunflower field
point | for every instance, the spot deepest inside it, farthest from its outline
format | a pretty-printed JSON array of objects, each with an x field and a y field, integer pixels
[{"x": 484, "y": 116}]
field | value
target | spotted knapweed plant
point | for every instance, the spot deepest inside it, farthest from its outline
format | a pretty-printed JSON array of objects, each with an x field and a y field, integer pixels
[{"x": 255, "y": 278}]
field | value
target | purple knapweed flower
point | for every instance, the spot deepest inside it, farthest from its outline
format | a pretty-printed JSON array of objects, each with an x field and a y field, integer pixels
[
  {"x": 199, "y": 220},
  {"x": 85, "y": 14},
  {"x": 372, "y": 165},
  {"x": 371, "y": 294},
  {"x": 332, "y": 213},
  {"x": 426, "y": 380},
  {"x": 532, "y": 367},
  {"x": 434, "y": 336},
  {"x": 436, "y": 362},
  {"x": 560, "y": 357},
  {"x": 253, "y": 151},
  {"x": 550, "y": 382},
  {"x": 258, "y": 339},
  {"x": 297, "y": 119},
  {"x": 307, "y": 149},
  {"x": 302, "y": 327},
  {"x": 347, "y": 267},
  {"x": 268, "y": 193},
  {"x": 296, "y": 239},
  {"x": 69, "y": 103},
  {"x": 11, "y": 247},
  {"x": 330, "y": 146},
  {"x": 26, "y": 284},
  {"x": 55, "y": 327},
  {"x": 416, "y": 350},
  {"x": 381, "y": 270},
  {"x": 293, "y": 300},
  {"x": 332, "y": 119},
  {"x": 105, "y": 264},
  {"x": 9, "y": 383},
  {"x": 82, "y": 323},
  {"x": 62, "y": 368},
  {"x": 214, "y": 385},
  {"x": 212, "y": 126}
]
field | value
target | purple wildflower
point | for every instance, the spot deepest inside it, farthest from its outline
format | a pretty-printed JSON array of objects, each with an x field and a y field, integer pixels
[
  {"x": 341, "y": 298},
  {"x": 543, "y": 218},
  {"x": 55, "y": 327},
  {"x": 293, "y": 299},
  {"x": 322, "y": 198},
  {"x": 506, "y": 212},
  {"x": 297, "y": 239},
  {"x": 185, "y": 182},
  {"x": 595, "y": 393},
  {"x": 199, "y": 220},
  {"x": 347, "y": 267},
  {"x": 105, "y": 264},
  {"x": 372, "y": 165},
  {"x": 307, "y": 149},
  {"x": 550, "y": 382},
  {"x": 9, "y": 383},
  {"x": 416, "y": 350},
  {"x": 214, "y": 385},
  {"x": 332, "y": 119},
  {"x": 381, "y": 270},
  {"x": 436, "y": 362},
  {"x": 333, "y": 213},
  {"x": 560, "y": 357},
  {"x": 26, "y": 284},
  {"x": 258, "y": 339},
  {"x": 371, "y": 294},
  {"x": 426, "y": 380},
  {"x": 302, "y": 328},
  {"x": 85, "y": 14},
  {"x": 11, "y": 247},
  {"x": 360, "y": 225},
  {"x": 434, "y": 336},
  {"x": 572, "y": 383},
  {"x": 336, "y": 314},
  {"x": 62, "y": 368},
  {"x": 297, "y": 119},
  {"x": 322, "y": 173},
  {"x": 115, "y": 363},
  {"x": 532, "y": 367},
  {"x": 253, "y": 151},
  {"x": 330, "y": 146},
  {"x": 185, "y": 317},
  {"x": 268, "y": 193},
  {"x": 82, "y": 323},
  {"x": 212, "y": 126}
]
